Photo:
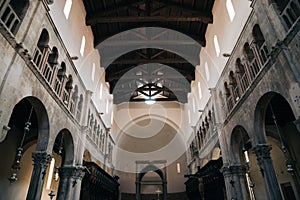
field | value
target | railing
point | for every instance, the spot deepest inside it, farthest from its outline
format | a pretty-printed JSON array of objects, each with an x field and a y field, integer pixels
[
  {"x": 291, "y": 13},
  {"x": 57, "y": 86},
  {"x": 252, "y": 68},
  {"x": 244, "y": 82},
  {"x": 9, "y": 18}
]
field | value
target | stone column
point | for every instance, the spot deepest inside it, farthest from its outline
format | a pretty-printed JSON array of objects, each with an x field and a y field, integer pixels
[
  {"x": 138, "y": 190},
  {"x": 234, "y": 177},
  {"x": 70, "y": 182},
  {"x": 41, "y": 160},
  {"x": 265, "y": 163},
  {"x": 165, "y": 191}
]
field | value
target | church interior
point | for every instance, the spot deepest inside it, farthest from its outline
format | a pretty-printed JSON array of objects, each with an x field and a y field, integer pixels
[{"x": 149, "y": 99}]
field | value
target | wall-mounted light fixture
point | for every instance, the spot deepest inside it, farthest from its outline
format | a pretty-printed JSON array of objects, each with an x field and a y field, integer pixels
[{"x": 16, "y": 165}]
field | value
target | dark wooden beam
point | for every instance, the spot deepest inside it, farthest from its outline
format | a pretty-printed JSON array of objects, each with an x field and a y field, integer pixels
[
  {"x": 92, "y": 20},
  {"x": 145, "y": 61}
]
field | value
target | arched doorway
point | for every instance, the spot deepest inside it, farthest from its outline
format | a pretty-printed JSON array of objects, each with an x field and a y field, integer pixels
[
  {"x": 283, "y": 137},
  {"x": 151, "y": 184},
  {"x": 238, "y": 175},
  {"x": 61, "y": 170},
  {"x": 275, "y": 146},
  {"x": 28, "y": 132}
]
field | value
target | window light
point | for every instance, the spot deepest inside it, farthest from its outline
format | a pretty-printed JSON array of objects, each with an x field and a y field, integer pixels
[
  {"x": 67, "y": 8},
  {"x": 199, "y": 90},
  {"x": 194, "y": 105},
  {"x": 101, "y": 91},
  {"x": 50, "y": 175},
  {"x": 217, "y": 46},
  {"x": 106, "y": 109},
  {"x": 82, "y": 46},
  {"x": 93, "y": 72},
  {"x": 178, "y": 168},
  {"x": 230, "y": 9},
  {"x": 206, "y": 71},
  {"x": 189, "y": 116}
]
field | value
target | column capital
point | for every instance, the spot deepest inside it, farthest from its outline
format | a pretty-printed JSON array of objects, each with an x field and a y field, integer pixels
[
  {"x": 74, "y": 172},
  {"x": 297, "y": 124},
  {"x": 41, "y": 158},
  {"x": 233, "y": 170},
  {"x": 262, "y": 151}
]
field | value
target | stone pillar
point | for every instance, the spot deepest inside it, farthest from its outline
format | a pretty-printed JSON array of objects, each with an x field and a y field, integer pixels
[
  {"x": 138, "y": 190},
  {"x": 234, "y": 177},
  {"x": 165, "y": 191},
  {"x": 70, "y": 182},
  {"x": 41, "y": 160},
  {"x": 265, "y": 163}
]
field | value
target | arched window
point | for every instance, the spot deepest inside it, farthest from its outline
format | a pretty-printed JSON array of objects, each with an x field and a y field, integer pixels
[
  {"x": 229, "y": 99},
  {"x": 253, "y": 65},
  {"x": 69, "y": 84},
  {"x": 260, "y": 43},
  {"x": 52, "y": 59},
  {"x": 257, "y": 35},
  {"x": 43, "y": 40},
  {"x": 74, "y": 100},
  {"x": 39, "y": 51},
  {"x": 248, "y": 52},
  {"x": 240, "y": 70},
  {"x": 233, "y": 83},
  {"x": 79, "y": 108},
  {"x": 62, "y": 71},
  {"x": 14, "y": 14},
  {"x": 232, "y": 80}
]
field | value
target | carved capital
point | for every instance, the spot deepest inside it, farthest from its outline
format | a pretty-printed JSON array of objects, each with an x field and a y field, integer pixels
[
  {"x": 230, "y": 170},
  {"x": 41, "y": 158},
  {"x": 262, "y": 151},
  {"x": 297, "y": 124},
  {"x": 74, "y": 172},
  {"x": 4, "y": 132}
]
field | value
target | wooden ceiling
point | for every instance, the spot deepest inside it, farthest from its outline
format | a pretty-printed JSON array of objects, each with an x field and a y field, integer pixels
[{"x": 110, "y": 17}]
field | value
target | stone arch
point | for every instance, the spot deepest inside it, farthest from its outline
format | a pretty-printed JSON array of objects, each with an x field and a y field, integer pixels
[
  {"x": 43, "y": 122},
  {"x": 143, "y": 172},
  {"x": 239, "y": 139},
  {"x": 64, "y": 145},
  {"x": 29, "y": 132},
  {"x": 260, "y": 113}
]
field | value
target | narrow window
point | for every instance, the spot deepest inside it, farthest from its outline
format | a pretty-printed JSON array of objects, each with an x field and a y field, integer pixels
[
  {"x": 106, "y": 109},
  {"x": 206, "y": 71},
  {"x": 93, "y": 72},
  {"x": 217, "y": 46},
  {"x": 230, "y": 9},
  {"x": 67, "y": 8},
  {"x": 82, "y": 46},
  {"x": 199, "y": 90},
  {"x": 178, "y": 168},
  {"x": 112, "y": 117},
  {"x": 194, "y": 105},
  {"x": 50, "y": 175},
  {"x": 101, "y": 91},
  {"x": 189, "y": 116}
]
